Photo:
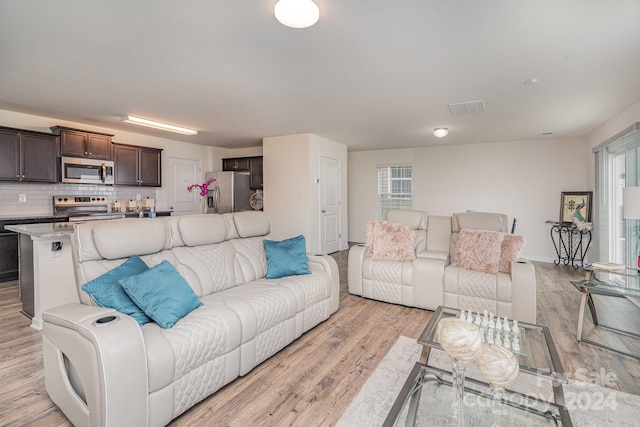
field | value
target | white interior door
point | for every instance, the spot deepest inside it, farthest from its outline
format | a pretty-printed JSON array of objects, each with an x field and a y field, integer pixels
[
  {"x": 329, "y": 205},
  {"x": 181, "y": 173}
]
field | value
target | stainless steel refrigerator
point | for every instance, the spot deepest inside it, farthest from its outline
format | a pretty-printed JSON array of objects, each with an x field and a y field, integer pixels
[{"x": 229, "y": 193}]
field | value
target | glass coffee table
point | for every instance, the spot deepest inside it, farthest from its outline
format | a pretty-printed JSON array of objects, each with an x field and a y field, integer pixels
[{"x": 537, "y": 356}]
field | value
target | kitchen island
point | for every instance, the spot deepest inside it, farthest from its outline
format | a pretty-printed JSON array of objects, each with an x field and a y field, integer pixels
[{"x": 46, "y": 269}]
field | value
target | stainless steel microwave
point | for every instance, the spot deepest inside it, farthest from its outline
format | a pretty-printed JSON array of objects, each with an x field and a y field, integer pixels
[{"x": 77, "y": 170}]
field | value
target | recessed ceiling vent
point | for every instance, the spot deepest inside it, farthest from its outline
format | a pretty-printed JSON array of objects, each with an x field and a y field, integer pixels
[{"x": 469, "y": 107}]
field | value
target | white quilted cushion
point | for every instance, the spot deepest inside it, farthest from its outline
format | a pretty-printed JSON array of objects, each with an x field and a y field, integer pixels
[
  {"x": 209, "y": 268},
  {"x": 259, "y": 306},
  {"x": 313, "y": 295},
  {"x": 251, "y": 260},
  {"x": 200, "y": 337}
]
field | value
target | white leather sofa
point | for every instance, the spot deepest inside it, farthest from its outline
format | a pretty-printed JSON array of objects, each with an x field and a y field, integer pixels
[
  {"x": 120, "y": 374},
  {"x": 433, "y": 279}
]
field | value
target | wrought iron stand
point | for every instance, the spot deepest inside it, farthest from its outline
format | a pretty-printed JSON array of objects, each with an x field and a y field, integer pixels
[{"x": 571, "y": 244}]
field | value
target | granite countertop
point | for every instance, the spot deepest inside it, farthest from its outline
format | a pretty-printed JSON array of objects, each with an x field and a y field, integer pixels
[{"x": 44, "y": 230}]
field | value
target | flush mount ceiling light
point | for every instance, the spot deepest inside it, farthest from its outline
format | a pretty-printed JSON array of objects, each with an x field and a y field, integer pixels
[
  {"x": 440, "y": 132},
  {"x": 297, "y": 13},
  {"x": 158, "y": 125}
]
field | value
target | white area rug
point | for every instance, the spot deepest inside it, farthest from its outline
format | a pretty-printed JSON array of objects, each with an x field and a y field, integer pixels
[{"x": 589, "y": 405}]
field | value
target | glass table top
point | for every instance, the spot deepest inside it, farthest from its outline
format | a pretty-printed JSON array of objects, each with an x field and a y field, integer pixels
[{"x": 629, "y": 288}]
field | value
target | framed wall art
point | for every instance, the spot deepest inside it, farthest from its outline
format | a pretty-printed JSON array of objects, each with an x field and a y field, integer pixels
[{"x": 575, "y": 204}]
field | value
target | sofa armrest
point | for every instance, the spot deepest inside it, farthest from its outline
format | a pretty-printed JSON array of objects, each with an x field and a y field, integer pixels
[
  {"x": 329, "y": 265},
  {"x": 439, "y": 255},
  {"x": 354, "y": 271},
  {"x": 523, "y": 282},
  {"x": 95, "y": 370}
]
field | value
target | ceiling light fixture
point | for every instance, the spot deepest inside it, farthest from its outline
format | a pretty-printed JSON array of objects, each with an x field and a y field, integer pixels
[
  {"x": 440, "y": 132},
  {"x": 297, "y": 13},
  {"x": 158, "y": 125}
]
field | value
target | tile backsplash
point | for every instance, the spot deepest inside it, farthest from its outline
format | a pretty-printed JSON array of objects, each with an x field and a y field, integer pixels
[{"x": 39, "y": 197}]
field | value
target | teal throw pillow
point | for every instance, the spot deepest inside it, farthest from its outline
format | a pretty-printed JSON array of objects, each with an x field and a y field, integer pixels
[
  {"x": 286, "y": 258},
  {"x": 162, "y": 293},
  {"x": 107, "y": 291}
]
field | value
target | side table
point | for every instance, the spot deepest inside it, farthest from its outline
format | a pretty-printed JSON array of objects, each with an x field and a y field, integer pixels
[
  {"x": 569, "y": 243},
  {"x": 591, "y": 286}
]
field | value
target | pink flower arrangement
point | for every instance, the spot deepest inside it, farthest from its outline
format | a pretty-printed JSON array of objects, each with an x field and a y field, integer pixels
[{"x": 204, "y": 187}]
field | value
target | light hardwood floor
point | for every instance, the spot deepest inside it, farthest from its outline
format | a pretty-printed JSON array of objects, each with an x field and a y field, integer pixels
[{"x": 313, "y": 380}]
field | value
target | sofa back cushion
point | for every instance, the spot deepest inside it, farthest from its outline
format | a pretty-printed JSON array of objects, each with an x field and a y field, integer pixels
[
  {"x": 198, "y": 230},
  {"x": 212, "y": 252},
  {"x": 438, "y": 233},
  {"x": 251, "y": 224},
  {"x": 120, "y": 238}
]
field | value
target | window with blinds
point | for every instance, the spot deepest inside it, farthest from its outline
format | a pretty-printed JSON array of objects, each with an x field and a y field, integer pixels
[
  {"x": 394, "y": 188},
  {"x": 617, "y": 166}
]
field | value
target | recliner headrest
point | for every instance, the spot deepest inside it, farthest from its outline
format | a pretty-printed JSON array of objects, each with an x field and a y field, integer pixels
[
  {"x": 479, "y": 221},
  {"x": 416, "y": 220}
]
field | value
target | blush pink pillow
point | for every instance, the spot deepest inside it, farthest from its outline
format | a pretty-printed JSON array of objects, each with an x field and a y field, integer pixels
[
  {"x": 511, "y": 247},
  {"x": 387, "y": 241},
  {"x": 479, "y": 250}
]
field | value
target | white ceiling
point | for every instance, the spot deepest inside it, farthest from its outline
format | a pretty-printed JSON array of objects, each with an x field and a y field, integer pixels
[{"x": 370, "y": 74}]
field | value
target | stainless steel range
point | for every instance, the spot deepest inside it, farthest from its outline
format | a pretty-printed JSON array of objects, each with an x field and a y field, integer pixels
[{"x": 84, "y": 208}]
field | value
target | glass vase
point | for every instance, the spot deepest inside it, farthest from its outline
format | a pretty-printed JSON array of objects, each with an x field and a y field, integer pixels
[
  {"x": 458, "y": 370},
  {"x": 497, "y": 408}
]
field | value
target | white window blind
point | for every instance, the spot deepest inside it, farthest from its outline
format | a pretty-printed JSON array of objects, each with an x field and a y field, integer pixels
[{"x": 394, "y": 188}]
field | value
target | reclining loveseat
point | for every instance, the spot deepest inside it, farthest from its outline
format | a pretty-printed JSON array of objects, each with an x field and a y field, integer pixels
[
  {"x": 103, "y": 369},
  {"x": 432, "y": 277}
]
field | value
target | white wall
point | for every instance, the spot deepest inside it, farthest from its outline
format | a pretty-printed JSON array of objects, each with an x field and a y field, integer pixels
[
  {"x": 245, "y": 152},
  {"x": 292, "y": 196},
  {"x": 363, "y": 185},
  {"x": 211, "y": 156},
  {"x": 522, "y": 179},
  {"x": 285, "y": 171}
]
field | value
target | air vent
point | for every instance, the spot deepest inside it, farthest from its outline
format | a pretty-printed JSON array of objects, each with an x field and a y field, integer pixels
[{"x": 469, "y": 107}]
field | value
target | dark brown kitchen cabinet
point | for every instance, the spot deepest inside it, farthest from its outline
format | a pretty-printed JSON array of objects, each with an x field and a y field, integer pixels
[
  {"x": 28, "y": 156},
  {"x": 239, "y": 164},
  {"x": 80, "y": 143},
  {"x": 243, "y": 164},
  {"x": 8, "y": 256},
  {"x": 137, "y": 166},
  {"x": 255, "y": 171}
]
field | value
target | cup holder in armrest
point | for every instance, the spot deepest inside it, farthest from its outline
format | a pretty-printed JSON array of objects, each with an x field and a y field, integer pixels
[{"x": 105, "y": 321}]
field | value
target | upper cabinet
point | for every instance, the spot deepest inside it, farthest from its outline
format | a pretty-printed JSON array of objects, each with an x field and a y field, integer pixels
[
  {"x": 238, "y": 164},
  {"x": 28, "y": 156},
  {"x": 253, "y": 165},
  {"x": 80, "y": 143},
  {"x": 137, "y": 166}
]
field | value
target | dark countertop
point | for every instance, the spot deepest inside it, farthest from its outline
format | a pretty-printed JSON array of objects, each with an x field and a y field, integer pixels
[
  {"x": 32, "y": 218},
  {"x": 146, "y": 214}
]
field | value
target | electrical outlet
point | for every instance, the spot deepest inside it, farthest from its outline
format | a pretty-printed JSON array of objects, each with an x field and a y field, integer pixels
[
  {"x": 22, "y": 198},
  {"x": 138, "y": 197}
]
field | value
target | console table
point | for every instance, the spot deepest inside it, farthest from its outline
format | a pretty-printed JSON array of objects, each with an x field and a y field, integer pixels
[{"x": 570, "y": 242}]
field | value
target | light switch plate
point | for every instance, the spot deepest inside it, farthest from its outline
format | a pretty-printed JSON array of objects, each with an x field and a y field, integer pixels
[{"x": 22, "y": 198}]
